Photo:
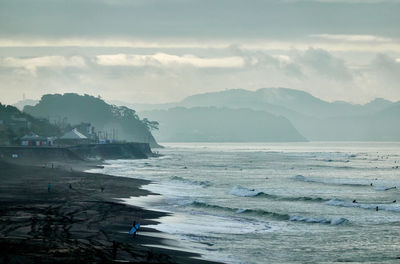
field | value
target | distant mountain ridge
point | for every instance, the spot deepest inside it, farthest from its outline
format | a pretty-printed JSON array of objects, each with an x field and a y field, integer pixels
[
  {"x": 212, "y": 124},
  {"x": 269, "y": 99},
  {"x": 315, "y": 119},
  {"x": 85, "y": 108},
  {"x": 282, "y": 98}
]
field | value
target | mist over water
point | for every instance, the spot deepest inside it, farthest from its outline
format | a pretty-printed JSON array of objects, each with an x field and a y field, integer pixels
[{"x": 276, "y": 203}]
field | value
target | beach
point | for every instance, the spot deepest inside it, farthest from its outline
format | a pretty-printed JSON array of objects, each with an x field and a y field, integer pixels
[{"x": 59, "y": 214}]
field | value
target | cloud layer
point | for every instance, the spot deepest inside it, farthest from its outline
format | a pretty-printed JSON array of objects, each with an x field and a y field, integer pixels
[
  {"x": 162, "y": 77},
  {"x": 163, "y": 59},
  {"x": 163, "y": 50},
  {"x": 31, "y": 64}
]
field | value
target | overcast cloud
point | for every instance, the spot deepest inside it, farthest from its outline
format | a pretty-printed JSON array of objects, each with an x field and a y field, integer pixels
[{"x": 164, "y": 50}]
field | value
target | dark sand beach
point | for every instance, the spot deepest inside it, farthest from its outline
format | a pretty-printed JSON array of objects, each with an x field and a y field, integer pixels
[{"x": 75, "y": 221}]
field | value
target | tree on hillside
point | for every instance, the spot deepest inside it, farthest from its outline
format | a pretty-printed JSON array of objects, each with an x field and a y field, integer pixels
[
  {"x": 151, "y": 125},
  {"x": 16, "y": 124}
]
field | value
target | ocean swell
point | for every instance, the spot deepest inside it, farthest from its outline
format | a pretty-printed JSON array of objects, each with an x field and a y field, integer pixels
[
  {"x": 199, "y": 183},
  {"x": 254, "y": 212},
  {"x": 333, "y": 221},
  {"x": 381, "y": 206},
  {"x": 264, "y": 213},
  {"x": 244, "y": 192},
  {"x": 331, "y": 181}
]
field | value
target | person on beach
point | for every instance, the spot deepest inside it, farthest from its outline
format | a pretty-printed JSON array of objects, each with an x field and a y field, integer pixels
[{"x": 134, "y": 226}]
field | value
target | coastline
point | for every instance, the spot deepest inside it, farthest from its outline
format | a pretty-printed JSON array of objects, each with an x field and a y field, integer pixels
[{"x": 80, "y": 224}]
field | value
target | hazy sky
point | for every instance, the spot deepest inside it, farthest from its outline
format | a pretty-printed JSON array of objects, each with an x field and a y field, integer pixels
[{"x": 154, "y": 51}]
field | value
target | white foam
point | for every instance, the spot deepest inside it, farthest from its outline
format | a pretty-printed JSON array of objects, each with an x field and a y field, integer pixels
[
  {"x": 243, "y": 192},
  {"x": 334, "y": 221},
  {"x": 196, "y": 224}
]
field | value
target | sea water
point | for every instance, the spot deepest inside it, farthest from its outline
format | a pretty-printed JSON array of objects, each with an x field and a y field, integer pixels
[{"x": 276, "y": 202}]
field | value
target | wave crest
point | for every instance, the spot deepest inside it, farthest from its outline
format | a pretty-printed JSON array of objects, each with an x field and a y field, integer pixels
[
  {"x": 199, "y": 183},
  {"x": 331, "y": 181},
  {"x": 244, "y": 192},
  {"x": 381, "y": 206},
  {"x": 264, "y": 213},
  {"x": 334, "y": 221}
]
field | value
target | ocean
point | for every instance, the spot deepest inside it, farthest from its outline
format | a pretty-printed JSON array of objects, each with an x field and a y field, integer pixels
[{"x": 314, "y": 202}]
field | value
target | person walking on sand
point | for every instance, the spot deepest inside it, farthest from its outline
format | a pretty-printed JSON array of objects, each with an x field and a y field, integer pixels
[
  {"x": 134, "y": 229},
  {"x": 134, "y": 226}
]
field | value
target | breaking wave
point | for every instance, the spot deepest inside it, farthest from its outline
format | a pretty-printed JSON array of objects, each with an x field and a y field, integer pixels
[
  {"x": 330, "y": 181},
  {"x": 381, "y": 206},
  {"x": 244, "y": 192},
  {"x": 264, "y": 213},
  {"x": 200, "y": 183},
  {"x": 333, "y": 221}
]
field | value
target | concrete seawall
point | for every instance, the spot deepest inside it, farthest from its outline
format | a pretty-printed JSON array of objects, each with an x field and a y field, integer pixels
[
  {"x": 37, "y": 154},
  {"x": 113, "y": 151},
  {"x": 79, "y": 153}
]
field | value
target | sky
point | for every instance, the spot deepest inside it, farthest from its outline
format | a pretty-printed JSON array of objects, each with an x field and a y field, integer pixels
[{"x": 157, "y": 51}]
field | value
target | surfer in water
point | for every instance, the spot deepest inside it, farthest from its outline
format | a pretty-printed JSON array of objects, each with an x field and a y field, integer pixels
[{"x": 354, "y": 201}]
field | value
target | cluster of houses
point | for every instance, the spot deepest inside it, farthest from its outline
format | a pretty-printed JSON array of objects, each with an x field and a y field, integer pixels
[
  {"x": 73, "y": 137},
  {"x": 82, "y": 134}
]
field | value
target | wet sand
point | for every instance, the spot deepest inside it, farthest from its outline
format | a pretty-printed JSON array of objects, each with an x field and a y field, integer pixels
[{"x": 75, "y": 221}]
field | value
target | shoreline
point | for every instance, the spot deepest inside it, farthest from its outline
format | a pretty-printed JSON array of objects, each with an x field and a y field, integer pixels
[{"x": 75, "y": 221}]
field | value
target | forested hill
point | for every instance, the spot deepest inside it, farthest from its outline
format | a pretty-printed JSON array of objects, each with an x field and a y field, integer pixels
[
  {"x": 315, "y": 119},
  {"x": 74, "y": 109},
  {"x": 15, "y": 124},
  {"x": 211, "y": 124}
]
